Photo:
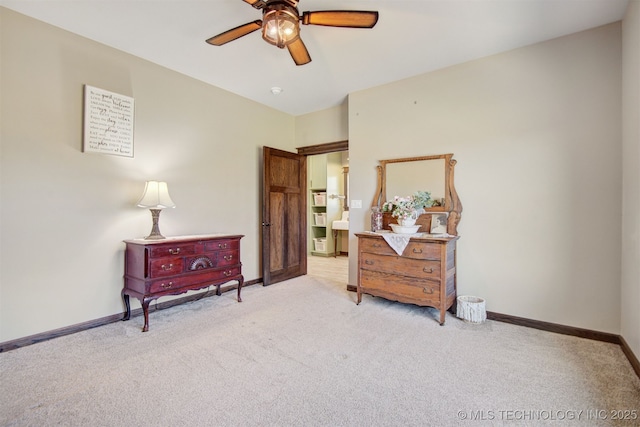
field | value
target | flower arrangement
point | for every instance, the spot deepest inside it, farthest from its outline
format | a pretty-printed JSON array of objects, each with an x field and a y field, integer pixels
[{"x": 407, "y": 207}]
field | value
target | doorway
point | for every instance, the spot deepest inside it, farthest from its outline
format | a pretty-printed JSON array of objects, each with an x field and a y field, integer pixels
[{"x": 328, "y": 201}]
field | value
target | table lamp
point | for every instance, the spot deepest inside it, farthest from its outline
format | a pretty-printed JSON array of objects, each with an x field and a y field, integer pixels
[{"x": 155, "y": 198}]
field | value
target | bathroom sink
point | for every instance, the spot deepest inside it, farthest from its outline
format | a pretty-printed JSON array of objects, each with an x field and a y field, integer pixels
[{"x": 340, "y": 225}]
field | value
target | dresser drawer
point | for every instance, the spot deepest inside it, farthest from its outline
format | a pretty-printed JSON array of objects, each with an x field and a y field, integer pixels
[
  {"x": 172, "y": 250},
  {"x": 164, "y": 267},
  {"x": 222, "y": 245},
  {"x": 400, "y": 288},
  {"x": 422, "y": 269},
  {"x": 417, "y": 250}
]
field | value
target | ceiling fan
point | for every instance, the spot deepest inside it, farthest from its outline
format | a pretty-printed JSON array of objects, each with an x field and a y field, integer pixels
[{"x": 281, "y": 20}]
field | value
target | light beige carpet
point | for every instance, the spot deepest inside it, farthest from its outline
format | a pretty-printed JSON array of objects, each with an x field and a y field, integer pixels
[{"x": 302, "y": 353}]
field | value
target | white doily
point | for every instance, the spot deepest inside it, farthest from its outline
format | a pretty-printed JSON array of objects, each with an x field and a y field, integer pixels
[{"x": 398, "y": 241}]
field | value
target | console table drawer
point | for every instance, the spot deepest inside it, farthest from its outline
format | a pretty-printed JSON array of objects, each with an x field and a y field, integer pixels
[
  {"x": 420, "y": 269},
  {"x": 221, "y": 245},
  {"x": 205, "y": 278},
  {"x": 172, "y": 250},
  {"x": 166, "y": 267},
  {"x": 228, "y": 258}
]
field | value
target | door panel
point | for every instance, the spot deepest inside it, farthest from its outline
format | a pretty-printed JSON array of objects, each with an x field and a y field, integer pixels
[{"x": 284, "y": 243}]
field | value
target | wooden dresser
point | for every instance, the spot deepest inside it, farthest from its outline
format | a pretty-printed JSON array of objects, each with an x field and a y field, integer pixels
[
  {"x": 425, "y": 273},
  {"x": 175, "y": 265}
]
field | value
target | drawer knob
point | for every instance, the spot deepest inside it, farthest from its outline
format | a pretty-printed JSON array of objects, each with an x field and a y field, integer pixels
[
  {"x": 175, "y": 251},
  {"x": 167, "y": 267},
  {"x": 427, "y": 291},
  {"x": 223, "y": 245},
  {"x": 377, "y": 245},
  {"x": 427, "y": 270},
  {"x": 228, "y": 273},
  {"x": 228, "y": 257},
  {"x": 417, "y": 251},
  {"x": 368, "y": 262},
  {"x": 166, "y": 285}
]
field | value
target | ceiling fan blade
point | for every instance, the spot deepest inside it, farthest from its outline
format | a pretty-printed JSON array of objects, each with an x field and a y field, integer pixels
[
  {"x": 341, "y": 18},
  {"x": 235, "y": 33},
  {"x": 258, "y": 4},
  {"x": 299, "y": 52}
]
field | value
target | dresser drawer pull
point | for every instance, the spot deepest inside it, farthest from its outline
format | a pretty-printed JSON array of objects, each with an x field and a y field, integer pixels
[
  {"x": 417, "y": 251},
  {"x": 228, "y": 273},
  {"x": 430, "y": 270},
  {"x": 377, "y": 245},
  {"x": 368, "y": 262},
  {"x": 174, "y": 251},
  {"x": 427, "y": 291},
  {"x": 166, "y": 285},
  {"x": 167, "y": 267},
  {"x": 223, "y": 245},
  {"x": 228, "y": 257}
]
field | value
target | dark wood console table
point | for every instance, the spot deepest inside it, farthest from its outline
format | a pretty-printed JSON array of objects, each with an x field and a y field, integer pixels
[{"x": 175, "y": 265}]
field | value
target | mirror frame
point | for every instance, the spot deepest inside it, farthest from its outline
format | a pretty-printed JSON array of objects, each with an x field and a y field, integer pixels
[{"x": 452, "y": 204}]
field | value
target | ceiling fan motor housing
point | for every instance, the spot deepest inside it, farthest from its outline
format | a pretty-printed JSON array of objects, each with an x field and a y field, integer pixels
[{"x": 281, "y": 23}]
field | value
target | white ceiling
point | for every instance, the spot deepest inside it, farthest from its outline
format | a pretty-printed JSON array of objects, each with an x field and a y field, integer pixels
[{"x": 412, "y": 37}]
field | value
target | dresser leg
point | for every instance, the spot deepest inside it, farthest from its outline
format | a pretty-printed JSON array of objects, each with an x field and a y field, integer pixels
[
  {"x": 240, "y": 282},
  {"x": 442, "y": 315},
  {"x": 127, "y": 314}
]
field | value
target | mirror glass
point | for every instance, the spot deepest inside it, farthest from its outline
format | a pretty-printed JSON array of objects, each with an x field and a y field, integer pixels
[{"x": 405, "y": 178}]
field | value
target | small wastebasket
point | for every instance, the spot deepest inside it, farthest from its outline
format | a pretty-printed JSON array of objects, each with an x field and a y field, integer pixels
[{"x": 471, "y": 309}]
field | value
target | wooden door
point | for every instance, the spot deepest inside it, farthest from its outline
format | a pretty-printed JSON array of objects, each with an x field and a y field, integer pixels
[{"x": 284, "y": 219}]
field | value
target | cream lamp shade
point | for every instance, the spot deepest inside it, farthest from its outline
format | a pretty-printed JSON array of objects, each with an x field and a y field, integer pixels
[{"x": 155, "y": 198}]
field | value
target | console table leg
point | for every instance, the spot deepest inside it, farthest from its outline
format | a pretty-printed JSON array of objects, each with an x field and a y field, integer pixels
[
  {"x": 145, "y": 311},
  {"x": 240, "y": 282},
  {"x": 127, "y": 314}
]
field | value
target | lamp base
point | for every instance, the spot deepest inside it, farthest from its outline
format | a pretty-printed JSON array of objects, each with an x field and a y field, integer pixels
[{"x": 155, "y": 230}]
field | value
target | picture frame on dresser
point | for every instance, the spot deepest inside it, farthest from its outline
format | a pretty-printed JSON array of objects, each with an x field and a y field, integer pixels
[{"x": 438, "y": 223}]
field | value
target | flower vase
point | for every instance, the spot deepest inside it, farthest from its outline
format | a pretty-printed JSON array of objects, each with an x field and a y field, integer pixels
[{"x": 409, "y": 221}]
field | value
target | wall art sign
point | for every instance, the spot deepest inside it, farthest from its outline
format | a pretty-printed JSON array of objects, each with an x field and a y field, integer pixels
[{"x": 108, "y": 122}]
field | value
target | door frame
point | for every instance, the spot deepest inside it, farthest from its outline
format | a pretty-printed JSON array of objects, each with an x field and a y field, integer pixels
[
  {"x": 329, "y": 147},
  {"x": 309, "y": 150}
]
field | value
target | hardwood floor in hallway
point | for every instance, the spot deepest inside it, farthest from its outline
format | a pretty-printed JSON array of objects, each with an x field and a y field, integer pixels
[{"x": 329, "y": 267}]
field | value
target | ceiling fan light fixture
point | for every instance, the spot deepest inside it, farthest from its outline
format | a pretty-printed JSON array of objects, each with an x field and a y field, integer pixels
[{"x": 280, "y": 25}]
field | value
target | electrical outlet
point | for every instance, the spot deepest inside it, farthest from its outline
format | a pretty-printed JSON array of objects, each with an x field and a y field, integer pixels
[{"x": 356, "y": 204}]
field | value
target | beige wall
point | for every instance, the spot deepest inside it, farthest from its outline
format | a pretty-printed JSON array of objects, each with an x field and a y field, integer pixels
[
  {"x": 538, "y": 172},
  {"x": 321, "y": 127},
  {"x": 630, "y": 329},
  {"x": 65, "y": 213},
  {"x": 537, "y": 135}
]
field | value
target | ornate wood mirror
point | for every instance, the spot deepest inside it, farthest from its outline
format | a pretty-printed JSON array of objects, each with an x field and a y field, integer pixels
[{"x": 403, "y": 177}]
